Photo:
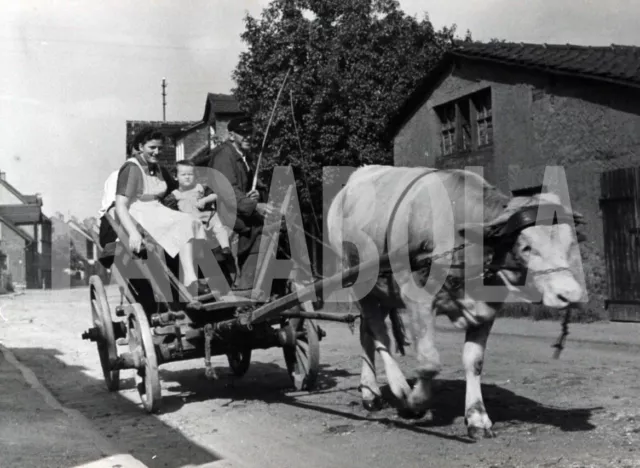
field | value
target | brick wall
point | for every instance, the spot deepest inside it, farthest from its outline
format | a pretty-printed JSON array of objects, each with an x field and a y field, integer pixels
[
  {"x": 14, "y": 247},
  {"x": 586, "y": 128},
  {"x": 196, "y": 140},
  {"x": 168, "y": 155}
]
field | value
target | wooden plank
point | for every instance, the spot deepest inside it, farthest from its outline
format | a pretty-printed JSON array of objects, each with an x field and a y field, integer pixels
[
  {"x": 228, "y": 302},
  {"x": 619, "y": 203},
  {"x": 154, "y": 251}
]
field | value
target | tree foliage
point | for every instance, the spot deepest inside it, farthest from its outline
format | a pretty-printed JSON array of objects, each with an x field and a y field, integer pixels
[{"x": 352, "y": 63}]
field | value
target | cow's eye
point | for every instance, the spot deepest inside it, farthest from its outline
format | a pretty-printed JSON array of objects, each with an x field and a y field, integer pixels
[{"x": 525, "y": 249}]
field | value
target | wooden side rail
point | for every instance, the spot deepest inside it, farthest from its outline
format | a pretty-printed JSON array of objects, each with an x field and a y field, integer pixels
[{"x": 155, "y": 254}]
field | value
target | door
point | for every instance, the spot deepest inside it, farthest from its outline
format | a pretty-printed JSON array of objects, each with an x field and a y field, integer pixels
[{"x": 621, "y": 226}]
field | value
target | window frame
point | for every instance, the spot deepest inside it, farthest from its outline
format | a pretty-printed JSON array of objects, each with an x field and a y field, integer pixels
[{"x": 472, "y": 126}]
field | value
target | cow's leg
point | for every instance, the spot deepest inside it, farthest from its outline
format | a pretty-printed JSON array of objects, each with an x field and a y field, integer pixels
[
  {"x": 371, "y": 395},
  {"x": 423, "y": 319},
  {"x": 375, "y": 318},
  {"x": 476, "y": 418}
]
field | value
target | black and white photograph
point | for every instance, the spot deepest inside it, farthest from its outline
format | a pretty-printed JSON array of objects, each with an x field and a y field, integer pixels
[{"x": 319, "y": 234}]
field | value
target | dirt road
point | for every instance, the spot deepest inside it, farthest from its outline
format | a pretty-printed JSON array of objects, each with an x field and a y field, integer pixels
[{"x": 581, "y": 410}]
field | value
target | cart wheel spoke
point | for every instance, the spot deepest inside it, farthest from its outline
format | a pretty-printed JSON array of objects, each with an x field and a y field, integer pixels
[
  {"x": 141, "y": 342},
  {"x": 106, "y": 343}
]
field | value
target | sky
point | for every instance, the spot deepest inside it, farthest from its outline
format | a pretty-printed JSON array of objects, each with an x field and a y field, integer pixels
[{"x": 73, "y": 72}]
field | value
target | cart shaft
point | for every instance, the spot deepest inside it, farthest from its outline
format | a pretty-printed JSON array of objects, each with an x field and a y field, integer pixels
[{"x": 363, "y": 272}]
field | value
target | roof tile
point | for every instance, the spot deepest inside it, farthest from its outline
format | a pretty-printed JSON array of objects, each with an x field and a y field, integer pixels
[{"x": 616, "y": 62}]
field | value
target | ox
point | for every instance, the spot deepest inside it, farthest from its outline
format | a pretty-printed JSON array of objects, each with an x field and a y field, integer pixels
[{"x": 428, "y": 210}]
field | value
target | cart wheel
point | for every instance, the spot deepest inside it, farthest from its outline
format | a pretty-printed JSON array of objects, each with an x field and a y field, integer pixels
[
  {"x": 303, "y": 359},
  {"x": 239, "y": 361},
  {"x": 101, "y": 316},
  {"x": 141, "y": 347}
]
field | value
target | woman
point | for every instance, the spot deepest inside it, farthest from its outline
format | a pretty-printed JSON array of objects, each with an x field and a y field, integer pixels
[{"x": 141, "y": 185}]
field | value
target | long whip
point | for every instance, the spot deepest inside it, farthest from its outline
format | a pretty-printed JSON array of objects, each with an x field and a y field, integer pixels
[{"x": 264, "y": 139}]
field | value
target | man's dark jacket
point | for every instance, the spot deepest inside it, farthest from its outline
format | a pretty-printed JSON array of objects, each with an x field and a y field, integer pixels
[{"x": 227, "y": 161}]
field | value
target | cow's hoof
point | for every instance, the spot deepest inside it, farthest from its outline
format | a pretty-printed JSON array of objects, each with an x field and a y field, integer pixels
[
  {"x": 478, "y": 433},
  {"x": 374, "y": 404}
]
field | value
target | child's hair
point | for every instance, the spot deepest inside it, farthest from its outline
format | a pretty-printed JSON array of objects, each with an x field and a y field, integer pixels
[{"x": 185, "y": 162}]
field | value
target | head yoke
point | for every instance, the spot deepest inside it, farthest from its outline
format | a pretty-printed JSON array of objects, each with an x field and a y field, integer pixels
[{"x": 534, "y": 215}]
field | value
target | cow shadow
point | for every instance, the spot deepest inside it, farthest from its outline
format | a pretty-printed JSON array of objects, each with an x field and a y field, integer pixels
[{"x": 503, "y": 406}]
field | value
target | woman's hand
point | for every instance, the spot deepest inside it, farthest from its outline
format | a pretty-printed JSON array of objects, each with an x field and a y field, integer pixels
[
  {"x": 135, "y": 241},
  {"x": 200, "y": 203}
]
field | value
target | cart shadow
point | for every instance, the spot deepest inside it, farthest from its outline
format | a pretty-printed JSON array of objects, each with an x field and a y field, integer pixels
[
  {"x": 265, "y": 382},
  {"x": 122, "y": 422}
]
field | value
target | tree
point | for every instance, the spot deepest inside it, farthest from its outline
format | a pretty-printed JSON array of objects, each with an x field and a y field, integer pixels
[{"x": 351, "y": 64}]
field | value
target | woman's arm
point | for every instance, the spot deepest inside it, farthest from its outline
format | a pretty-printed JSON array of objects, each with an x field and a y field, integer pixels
[
  {"x": 122, "y": 210},
  {"x": 129, "y": 181}
]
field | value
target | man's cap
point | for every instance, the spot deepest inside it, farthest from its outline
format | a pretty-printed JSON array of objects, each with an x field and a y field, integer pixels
[{"x": 241, "y": 126}]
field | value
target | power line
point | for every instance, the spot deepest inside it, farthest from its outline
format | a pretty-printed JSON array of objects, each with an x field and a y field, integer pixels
[{"x": 110, "y": 44}]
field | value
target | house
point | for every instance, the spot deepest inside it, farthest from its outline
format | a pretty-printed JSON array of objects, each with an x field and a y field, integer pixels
[
  {"x": 530, "y": 106},
  {"x": 178, "y": 141},
  {"x": 187, "y": 139},
  {"x": 219, "y": 109},
  {"x": 25, "y": 237}
]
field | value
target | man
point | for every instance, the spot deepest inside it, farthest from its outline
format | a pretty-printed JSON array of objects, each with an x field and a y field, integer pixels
[{"x": 232, "y": 161}]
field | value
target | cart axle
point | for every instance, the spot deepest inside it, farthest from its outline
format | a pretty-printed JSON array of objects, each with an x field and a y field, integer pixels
[{"x": 92, "y": 334}]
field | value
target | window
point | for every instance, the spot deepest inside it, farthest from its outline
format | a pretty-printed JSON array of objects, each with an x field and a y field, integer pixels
[
  {"x": 466, "y": 124},
  {"x": 448, "y": 120},
  {"x": 482, "y": 102}
]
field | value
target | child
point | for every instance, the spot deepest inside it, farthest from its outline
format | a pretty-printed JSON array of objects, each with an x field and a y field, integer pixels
[{"x": 197, "y": 199}]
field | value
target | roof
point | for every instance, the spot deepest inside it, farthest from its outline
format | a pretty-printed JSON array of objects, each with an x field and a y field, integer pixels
[
  {"x": 220, "y": 104},
  {"x": 23, "y": 198},
  {"x": 617, "y": 64},
  {"x": 171, "y": 129},
  {"x": 16, "y": 229},
  {"x": 21, "y": 214},
  {"x": 83, "y": 231}
]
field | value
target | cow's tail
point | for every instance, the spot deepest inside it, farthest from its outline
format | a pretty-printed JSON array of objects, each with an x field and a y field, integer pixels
[{"x": 399, "y": 332}]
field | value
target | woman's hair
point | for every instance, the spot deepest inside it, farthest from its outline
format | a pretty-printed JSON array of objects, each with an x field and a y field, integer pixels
[{"x": 145, "y": 135}]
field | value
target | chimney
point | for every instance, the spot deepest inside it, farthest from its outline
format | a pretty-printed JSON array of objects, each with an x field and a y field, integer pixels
[{"x": 3, "y": 176}]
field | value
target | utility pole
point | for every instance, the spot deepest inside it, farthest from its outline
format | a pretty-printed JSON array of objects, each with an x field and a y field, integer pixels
[{"x": 164, "y": 101}]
